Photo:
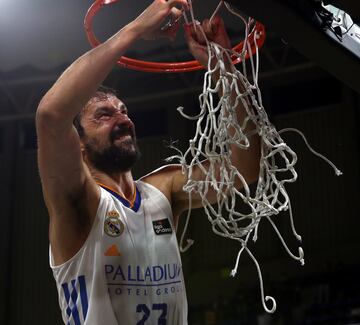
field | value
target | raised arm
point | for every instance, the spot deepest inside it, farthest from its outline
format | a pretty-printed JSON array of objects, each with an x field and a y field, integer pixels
[{"x": 69, "y": 191}]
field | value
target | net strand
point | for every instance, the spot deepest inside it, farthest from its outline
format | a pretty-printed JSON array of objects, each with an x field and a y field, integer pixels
[
  {"x": 209, "y": 152},
  {"x": 221, "y": 3},
  {"x": 337, "y": 171}
]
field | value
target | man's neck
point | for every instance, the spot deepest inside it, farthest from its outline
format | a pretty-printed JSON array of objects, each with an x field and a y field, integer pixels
[{"x": 121, "y": 182}]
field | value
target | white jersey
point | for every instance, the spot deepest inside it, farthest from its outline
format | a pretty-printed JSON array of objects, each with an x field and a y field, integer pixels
[{"x": 128, "y": 271}]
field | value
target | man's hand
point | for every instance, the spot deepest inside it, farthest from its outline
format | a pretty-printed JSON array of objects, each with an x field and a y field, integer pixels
[
  {"x": 149, "y": 23},
  {"x": 214, "y": 31}
]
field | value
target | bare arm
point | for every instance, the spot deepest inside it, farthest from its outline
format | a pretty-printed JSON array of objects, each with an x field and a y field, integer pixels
[{"x": 60, "y": 160}]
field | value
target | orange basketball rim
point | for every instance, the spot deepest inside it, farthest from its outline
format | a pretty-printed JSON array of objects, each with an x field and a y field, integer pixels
[{"x": 170, "y": 67}]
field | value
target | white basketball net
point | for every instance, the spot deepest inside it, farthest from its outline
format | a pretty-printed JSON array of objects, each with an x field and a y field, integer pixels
[{"x": 213, "y": 142}]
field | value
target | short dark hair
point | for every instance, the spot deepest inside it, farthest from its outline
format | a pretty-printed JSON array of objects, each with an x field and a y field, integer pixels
[{"x": 77, "y": 119}]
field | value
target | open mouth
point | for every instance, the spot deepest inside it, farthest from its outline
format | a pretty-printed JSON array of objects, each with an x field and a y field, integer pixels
[
  {"x": 123, "y": 137},
  {"x": 125, "y": 133}
]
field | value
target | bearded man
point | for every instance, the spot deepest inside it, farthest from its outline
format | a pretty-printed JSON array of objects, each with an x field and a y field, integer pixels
[{"x": 113, "y": 247}]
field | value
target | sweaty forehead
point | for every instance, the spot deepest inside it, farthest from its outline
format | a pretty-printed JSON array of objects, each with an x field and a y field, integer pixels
[{"x": 101, "y": 100}]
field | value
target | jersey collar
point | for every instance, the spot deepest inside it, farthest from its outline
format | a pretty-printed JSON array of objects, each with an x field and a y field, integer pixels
[{"x": 134, "y": 204}]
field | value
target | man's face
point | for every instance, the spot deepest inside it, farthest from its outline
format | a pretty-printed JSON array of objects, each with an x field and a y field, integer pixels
[{"x": 109, "y": 139}]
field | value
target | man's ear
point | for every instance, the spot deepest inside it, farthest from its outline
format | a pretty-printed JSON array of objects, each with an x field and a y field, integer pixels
[{"x": 82, "y": 148}]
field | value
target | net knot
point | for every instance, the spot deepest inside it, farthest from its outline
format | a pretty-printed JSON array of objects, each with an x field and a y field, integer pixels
[{"x": 338, "y": 172}]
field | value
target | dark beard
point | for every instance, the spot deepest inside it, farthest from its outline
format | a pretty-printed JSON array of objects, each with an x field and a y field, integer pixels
[{"x": 114, "y": 158}]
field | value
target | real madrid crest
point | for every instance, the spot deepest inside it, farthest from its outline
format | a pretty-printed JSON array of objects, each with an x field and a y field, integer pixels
[{"x": 113, "y": 225}]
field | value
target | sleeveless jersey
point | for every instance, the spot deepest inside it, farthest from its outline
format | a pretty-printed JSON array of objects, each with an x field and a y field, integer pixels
[{"x": 128, "y": 271}]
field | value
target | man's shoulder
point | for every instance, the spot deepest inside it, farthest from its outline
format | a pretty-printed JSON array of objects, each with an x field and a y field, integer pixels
[
  {"x": 163, "y": 171},
  {"x": 162, "y": 178}
]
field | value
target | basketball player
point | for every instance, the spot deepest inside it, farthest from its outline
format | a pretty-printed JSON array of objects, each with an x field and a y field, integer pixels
[{"x": 114, "y": 252}]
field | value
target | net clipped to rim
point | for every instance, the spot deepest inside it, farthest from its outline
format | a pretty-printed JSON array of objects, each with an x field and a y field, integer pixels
[{"x": 210, "y": 152}]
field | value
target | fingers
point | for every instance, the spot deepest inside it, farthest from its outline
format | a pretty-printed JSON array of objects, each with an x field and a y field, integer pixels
[
  {"x": 217, "y": 24},
  {"x": 189, "y": 34},
  {"x": 208, "y": 30},
  {"x": 172, "y": 27},
  {"x": 197, "y": 34},
  {"x": 192, "y": 36},
  {"x": 196, "y": 49},
  {"x": 170, "y": 32},
  {"x": 173, "y": 3},
  {"x": 176, "y": 14}
]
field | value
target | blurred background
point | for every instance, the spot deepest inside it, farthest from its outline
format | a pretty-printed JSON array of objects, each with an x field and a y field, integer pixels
[{"x": 39, "y": 39}]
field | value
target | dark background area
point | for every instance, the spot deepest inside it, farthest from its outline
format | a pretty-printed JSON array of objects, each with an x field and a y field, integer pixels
[{"x": 40, "y": 39}]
